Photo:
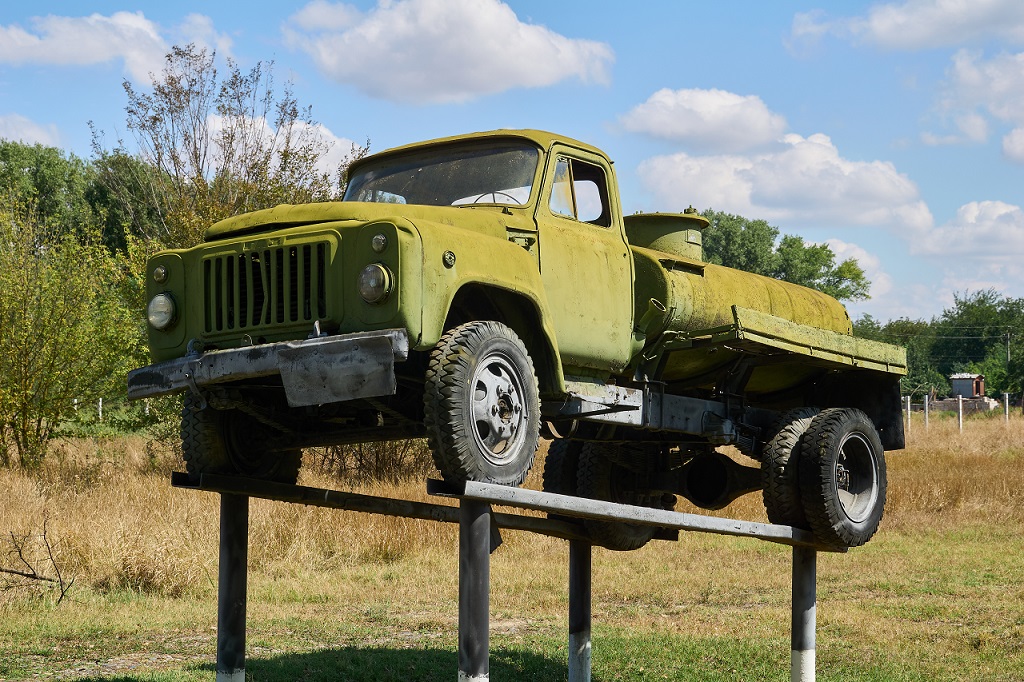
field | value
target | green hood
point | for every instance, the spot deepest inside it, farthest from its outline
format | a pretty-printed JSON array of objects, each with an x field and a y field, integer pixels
[{"x": 288, "y": 215}]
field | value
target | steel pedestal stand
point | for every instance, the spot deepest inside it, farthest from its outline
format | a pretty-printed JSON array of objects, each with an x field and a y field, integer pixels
[
  {"x": 476, "y": 543},
  {"x": 478, "y": 537},
  {"x": 231, "y": 587}
]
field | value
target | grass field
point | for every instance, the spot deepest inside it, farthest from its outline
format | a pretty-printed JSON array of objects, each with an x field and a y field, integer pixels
[{"x": 938, "y": 594}]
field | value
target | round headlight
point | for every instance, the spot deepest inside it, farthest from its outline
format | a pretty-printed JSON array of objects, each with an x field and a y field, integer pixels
[
  {"x": 161, "y": 311},
  {"x": 375, "y": 283},
  {"x": 159, "y": 274}
]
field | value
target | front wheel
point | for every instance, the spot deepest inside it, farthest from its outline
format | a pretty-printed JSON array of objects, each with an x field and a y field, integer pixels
[
  {"x": 602, "y": 477},
  {"x": 561, "y": 466},
  {"x": 481, "y": 405},
  {"x": 842, "y": 477},
  {"x": 233, "y": 443}
]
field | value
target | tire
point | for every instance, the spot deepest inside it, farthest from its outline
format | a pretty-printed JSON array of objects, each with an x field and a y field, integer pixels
[
  {"x": 780, "y": 467},
  {"x": 481, "y": 405},
  {"x": 561, "y": 466},
  {"x": 842, "y": 477},
  {"x": 231, "y": 442},
  {"x": 601, "y": 478}
]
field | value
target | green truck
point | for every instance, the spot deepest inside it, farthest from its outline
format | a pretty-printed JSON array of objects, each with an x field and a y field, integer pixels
[{"x": 486, "y": 290}]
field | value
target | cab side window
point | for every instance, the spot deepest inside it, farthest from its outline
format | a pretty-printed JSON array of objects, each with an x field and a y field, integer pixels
[{"x": 579, "y": 191}]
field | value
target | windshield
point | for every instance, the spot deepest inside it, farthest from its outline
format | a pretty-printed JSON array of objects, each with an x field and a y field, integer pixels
[{"x": 458, "y": 175}]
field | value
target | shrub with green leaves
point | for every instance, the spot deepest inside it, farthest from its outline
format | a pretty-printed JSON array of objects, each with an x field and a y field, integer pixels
[{"x": 66, "y": 332}]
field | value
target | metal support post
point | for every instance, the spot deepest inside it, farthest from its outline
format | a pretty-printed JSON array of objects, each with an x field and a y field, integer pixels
[
  {"x": 802, "y": 659},
  {"x": 580, "y": 554},
  {"x": 234, "y": 560},
  {"x": 474, "y": 590}
]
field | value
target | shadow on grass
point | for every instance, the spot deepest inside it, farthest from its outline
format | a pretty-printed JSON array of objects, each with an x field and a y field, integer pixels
[
  {"x": 365, "y": 664},
  {"x": 419, "y": 665}
]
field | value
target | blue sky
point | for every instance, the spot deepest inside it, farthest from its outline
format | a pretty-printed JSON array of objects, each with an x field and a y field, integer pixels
[{"x": 894, "y": 131}]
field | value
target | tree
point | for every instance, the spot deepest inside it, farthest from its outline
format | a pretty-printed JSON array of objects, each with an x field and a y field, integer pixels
[
  {"x": 121, "y": 197},
  {"x": 214, "y": 147},
  {"x": 56, "y": 183},
  {"x": 65, "y": 332},
  {"x": 755, "y": 246},
  {"x": 977, "y": 334},
  {"x": 814, "y": 266},
  {"x": 736, "y": 242}
]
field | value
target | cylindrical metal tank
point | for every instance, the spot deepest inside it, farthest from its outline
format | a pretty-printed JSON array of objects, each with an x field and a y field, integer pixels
[
  {"x": 678, "y": 234},
  {"x": 703, "y": 300},
  {"x": 698, "y": 295}
]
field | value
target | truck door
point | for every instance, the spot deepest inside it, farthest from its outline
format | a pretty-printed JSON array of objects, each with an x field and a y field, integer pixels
[{"x": 585, "y": 263}]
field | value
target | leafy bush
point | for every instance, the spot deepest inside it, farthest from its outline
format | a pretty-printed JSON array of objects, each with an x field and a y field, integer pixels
[{"x": 65, "y": 331}]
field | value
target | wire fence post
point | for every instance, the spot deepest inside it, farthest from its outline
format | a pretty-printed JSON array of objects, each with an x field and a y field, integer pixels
[
  {"x": 99, "y": 409},
  {"x": 960, "y": 412},
  {"x": 925, "y": 410},
  {"x": 908, "y": 414},
  {"x": 1006, "y": 407}
]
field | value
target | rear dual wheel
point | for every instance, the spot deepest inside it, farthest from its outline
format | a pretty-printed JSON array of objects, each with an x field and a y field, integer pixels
[
  {"x": 825, "y": 472},
  {"x": 842, "y": 477},
  {"x": 779, "y": 462}
]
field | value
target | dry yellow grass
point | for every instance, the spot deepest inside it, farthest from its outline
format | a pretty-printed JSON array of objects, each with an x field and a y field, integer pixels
[
  {"x": 115, "y": 522},
  {"x": 938, "y": 588}
]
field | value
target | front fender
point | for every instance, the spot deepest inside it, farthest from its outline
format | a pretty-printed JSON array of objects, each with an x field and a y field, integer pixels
[{"x": 455, "y": 258}]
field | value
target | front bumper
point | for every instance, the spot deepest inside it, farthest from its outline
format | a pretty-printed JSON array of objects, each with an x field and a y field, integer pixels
[{"x": 314, "y": 372}]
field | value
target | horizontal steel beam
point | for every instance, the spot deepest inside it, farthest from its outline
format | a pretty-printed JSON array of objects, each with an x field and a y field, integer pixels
[
  {"x": 563, "y": 505},
  {"x": 369, "y": 504},
  {"x": 609, "y": 511}
]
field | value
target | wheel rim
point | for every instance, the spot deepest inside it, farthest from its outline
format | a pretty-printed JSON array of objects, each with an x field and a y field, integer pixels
[
  {"x": 856, "y": 478},
  {"x": 499, "y": 411}
]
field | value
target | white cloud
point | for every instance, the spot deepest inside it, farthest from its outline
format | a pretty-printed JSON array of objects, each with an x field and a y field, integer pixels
[
  {"x": 199, "y": 29},
  {"x": 991, "y": 231},
  {"x": 707, "y": 119},
  {"x": 259, "y": 131},
  {"x": 996, "y": 84},
  {"x": 17, "y": 127},
  {"x": 1013, "y": 145},
  {"x": 971, "y": 126},
  {"x": 339, "y": 148},
  {"x": 978, "y": 91},
  {"x": 98, "y": 39},
  {"x": 806, "y": 182},
  {"x": 881, "y": 281},
  {"x": 433, "y": 51},
  {"x": 918, "y": 24}
]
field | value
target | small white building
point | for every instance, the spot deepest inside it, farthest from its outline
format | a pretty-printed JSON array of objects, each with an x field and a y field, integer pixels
[{"x": 967, "y": 385}]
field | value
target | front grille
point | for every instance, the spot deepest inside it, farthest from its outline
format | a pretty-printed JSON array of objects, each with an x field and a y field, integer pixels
[{"x": 265, "y": 288}]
